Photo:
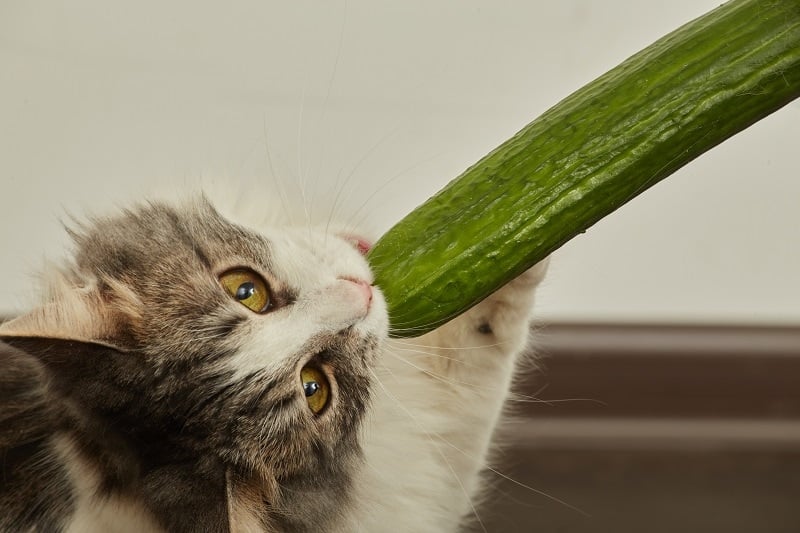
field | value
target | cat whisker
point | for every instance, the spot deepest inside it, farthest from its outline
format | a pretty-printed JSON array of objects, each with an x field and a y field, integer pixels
[
  {"x": 320, "y": 156},
  {"x": 273, "y": 173},
  {"x": 415, "y": 331},
  {"x": 521, "y": 398},
  {"x": 516, "y": 482},
  {"x": 489, "y": 468},
  {"x": 514, "y": 397},
  {"x": 407, "y": 342},
  {"x": 354, "y": 170},
  {"x": 440, "y": 377},
  {"x": 439, "y": 356},
  {"x": 300, "y": 175},
  {"x": 356, "y": 223},
  {"x": 398, "y": 326}
]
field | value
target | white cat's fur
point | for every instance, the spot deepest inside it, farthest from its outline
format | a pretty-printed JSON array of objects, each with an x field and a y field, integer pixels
[
  {"x": 437, "y": 402},
  {"x": 434, "y": 416},
  {"x": 436, "y": 399}
]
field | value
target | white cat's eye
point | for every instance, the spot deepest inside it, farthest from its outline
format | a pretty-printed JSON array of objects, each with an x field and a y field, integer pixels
[
  {"x": 316, "y": 388},
  {"x": 247, "y": 288}
]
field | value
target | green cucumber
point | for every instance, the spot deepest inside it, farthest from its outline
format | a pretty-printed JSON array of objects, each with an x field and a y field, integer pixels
[{"x": 587, "y": 156}]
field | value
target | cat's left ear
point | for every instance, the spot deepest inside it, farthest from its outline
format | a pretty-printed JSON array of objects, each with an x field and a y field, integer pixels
[
  {"x": 68, "y": 361},
  {"x": 78, "y": 315},
  {"x": 75, "y": 335}
]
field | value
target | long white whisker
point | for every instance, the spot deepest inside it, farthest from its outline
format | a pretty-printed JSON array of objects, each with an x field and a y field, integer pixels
[
  {"x": 274, "y": 174},
  {"x": 356, "y": 222},
  {"x": 512, "y": 480},
  {"x": 331, "y": 80},
  {"x": 439, "y": 356},
  {"x": 436, "y": 376},
  {"x": 515, "y": 397},
  {"x": 406, "y": 342},
  {"x": 522, "y": 398},
  {"x": 336, "y": 60},
  {"x": 353, "y": 171},
  {"x": 300, "y": 175}
]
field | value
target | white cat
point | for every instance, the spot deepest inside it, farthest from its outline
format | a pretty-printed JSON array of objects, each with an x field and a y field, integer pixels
[{"x": 187, "y": 373}]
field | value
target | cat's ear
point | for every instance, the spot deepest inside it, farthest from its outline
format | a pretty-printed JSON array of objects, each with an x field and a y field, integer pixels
[
  {"x": 79, "y": 313},
  {"x": 90, "y": 374},
  {"x": 63, "y": 357},
  {"x": 67, "y": 359}
]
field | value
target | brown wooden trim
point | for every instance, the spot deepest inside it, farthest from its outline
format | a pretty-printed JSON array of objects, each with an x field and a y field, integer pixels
[
  {"x": 676, "y": 340},
  {"x": 690, "y": 428},
  {"x": 652, "y": 434},
  {"x": 639, "y": 371}
]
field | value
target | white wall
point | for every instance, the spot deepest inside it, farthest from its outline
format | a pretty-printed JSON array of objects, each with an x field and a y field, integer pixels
[{"x": 386, "y": 101}]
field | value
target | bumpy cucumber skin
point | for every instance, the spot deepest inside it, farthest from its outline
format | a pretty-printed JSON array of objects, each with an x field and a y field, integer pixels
[{"x": 587, "y": 156}]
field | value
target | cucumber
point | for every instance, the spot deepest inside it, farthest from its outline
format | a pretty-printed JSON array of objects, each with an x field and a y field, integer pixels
[{"x": 587, "y": 156}]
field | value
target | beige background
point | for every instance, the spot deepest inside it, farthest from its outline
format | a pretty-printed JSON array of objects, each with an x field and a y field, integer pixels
[{"x": 384, "y": 101}]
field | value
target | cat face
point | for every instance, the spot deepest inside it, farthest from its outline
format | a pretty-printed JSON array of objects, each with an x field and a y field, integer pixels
[{"x": 179, "y": 328}]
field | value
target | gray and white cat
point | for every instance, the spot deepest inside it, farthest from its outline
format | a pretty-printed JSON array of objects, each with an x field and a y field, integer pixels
[{"x": 188, "y": 373}]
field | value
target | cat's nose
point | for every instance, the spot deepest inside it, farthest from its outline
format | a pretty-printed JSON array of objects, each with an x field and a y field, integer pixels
[{"x": 363, "y": 287}]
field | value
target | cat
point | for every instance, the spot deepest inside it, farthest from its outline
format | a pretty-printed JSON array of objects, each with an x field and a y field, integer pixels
[{"x": 189, "y": 372}]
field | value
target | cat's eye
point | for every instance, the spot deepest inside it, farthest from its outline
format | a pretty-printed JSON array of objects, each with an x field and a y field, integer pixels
[
  {"x": 316, "y": 388},
  {"x": 247, "y": 288}
]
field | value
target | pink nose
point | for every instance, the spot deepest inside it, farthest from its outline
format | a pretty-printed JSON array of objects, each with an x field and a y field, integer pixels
[{"x": 363, "y": 287}]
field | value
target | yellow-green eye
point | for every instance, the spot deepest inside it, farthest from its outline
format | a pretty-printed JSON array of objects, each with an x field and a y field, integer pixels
[
  {"x": 247, "y": 288},
  {"x": 316, "y": 388}
]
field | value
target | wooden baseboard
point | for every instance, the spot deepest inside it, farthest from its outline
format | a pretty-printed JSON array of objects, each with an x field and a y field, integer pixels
[
  {"x": 653, "y": 428},
  {"x": 669, "y": 372}
]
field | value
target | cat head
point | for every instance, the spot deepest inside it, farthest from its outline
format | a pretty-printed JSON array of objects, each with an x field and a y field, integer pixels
[{"x": 174, "y": 325}]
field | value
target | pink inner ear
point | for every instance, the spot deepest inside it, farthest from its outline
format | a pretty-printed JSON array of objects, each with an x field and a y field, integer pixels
[{"x": 360, "y": 243}]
